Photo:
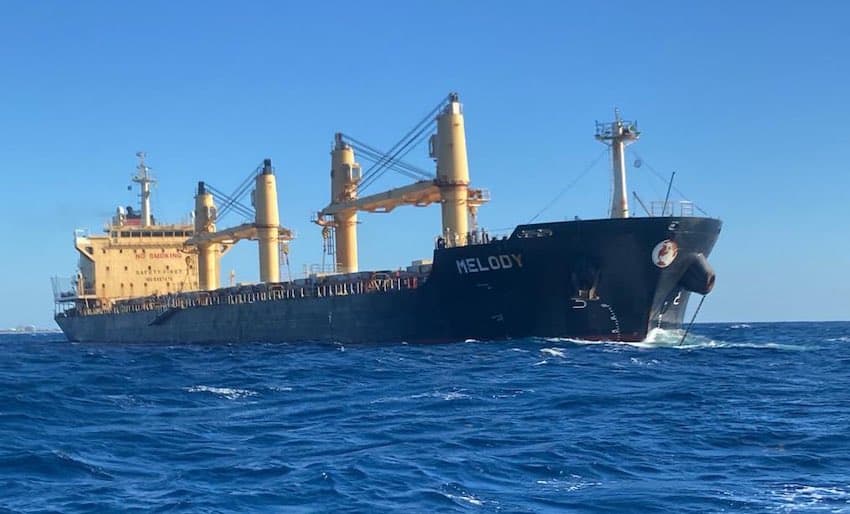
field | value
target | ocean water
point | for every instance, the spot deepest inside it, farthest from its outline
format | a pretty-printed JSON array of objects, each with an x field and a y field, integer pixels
[{"x": 739, "y": 418}]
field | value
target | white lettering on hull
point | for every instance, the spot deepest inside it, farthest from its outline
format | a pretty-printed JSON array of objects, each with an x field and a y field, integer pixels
[{"x": 489, "y": 263}]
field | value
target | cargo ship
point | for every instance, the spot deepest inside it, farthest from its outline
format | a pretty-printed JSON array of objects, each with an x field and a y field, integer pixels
[{"x": 601, "y": 279}]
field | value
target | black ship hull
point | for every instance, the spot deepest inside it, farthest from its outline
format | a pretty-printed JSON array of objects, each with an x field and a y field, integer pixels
[{"x": 593, "y": 279}]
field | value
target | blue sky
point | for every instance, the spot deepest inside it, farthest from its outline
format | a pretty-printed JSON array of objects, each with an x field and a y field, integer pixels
[{"x": 746, "y": 101}]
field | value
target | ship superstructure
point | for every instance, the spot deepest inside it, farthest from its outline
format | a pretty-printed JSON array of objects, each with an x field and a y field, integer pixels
[
  {"x": 135, "y": 256},
  {"x": 611, "y": 278}
]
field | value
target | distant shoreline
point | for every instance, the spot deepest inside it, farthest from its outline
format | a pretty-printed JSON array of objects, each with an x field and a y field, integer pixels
[{"x": 29, "y": 330}]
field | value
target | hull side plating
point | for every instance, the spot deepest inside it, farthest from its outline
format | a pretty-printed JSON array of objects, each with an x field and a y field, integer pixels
[{"x": 594, "y": 279}]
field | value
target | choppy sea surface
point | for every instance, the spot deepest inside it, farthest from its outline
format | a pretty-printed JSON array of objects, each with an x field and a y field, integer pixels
[{"x": 738, "y": 418}]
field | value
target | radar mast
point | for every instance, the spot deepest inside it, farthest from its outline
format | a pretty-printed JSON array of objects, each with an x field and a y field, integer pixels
[
  {"x": 617, "y": 135},
  {"x": 144, "y": 178}
]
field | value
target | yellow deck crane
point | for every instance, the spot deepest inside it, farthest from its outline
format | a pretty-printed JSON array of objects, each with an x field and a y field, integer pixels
[
  {"x": 450, "y": 186},
  {"x": 211, "y": 244}
]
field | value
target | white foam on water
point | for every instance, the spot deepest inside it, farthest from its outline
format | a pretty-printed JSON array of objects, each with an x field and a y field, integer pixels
[
  {"x": 387, "y": 399},
  {"x": 454, "y": 395},
  {"x": 448, "y": 396},
  {"x": 227, "y": 392},
  {"x": 660, "y": 338},
  {"x": 554, "y": 352},
  {"x": 667, "y": 338},
  {"x": 642, "y": 362},
  {"x": 655, "y": 338},
  {"x": 514, "y": 394},
  {"x": 572, "y": 484},
  {"x": 842, "y": 339},
  {"x": 810, "y": 498},
  {"x": 570, "y": 340},
  {"x": 466, "y": 498}
]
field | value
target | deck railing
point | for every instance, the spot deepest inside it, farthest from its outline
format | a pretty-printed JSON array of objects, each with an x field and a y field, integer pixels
[{"x": 319, "y": 287}]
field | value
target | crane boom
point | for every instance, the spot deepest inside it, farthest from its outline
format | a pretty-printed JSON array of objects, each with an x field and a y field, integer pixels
[
  {"x": 237, "y": 233},
  {"x": 419, "y": 193}
]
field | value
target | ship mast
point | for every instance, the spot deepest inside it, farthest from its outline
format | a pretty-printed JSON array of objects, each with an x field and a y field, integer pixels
[
  {"x": 267, "y": 221},
  {"x": 617, "y": 135},
  {"x": 144, "y": 179},
  {"x": 345, "y": 177},
  {"x": 453, "y": 171}
]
